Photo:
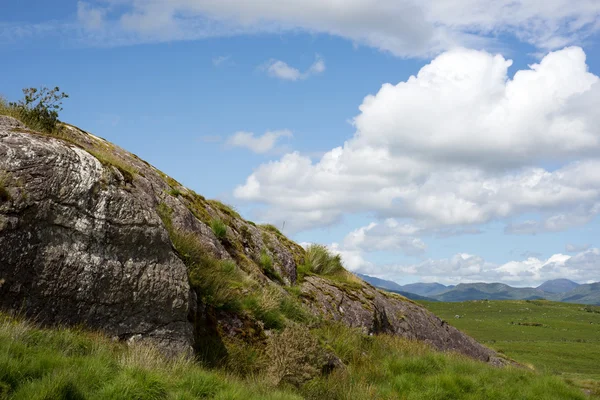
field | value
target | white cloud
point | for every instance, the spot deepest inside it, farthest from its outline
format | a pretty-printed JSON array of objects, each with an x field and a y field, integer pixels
[
  {"x": 388, "y": 235},
  {"x": 90, "y": 17},
  {"x": 402, "y": 27},
  {"x": 458, "y": 144},
  {"x": 281, "y": 70},
  {"x": 258, "y": 144},
  {"x": 468, "y": 268}
]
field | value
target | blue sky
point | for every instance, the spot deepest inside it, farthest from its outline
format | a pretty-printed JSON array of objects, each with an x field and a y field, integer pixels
[{"x": 465, "y": 172}]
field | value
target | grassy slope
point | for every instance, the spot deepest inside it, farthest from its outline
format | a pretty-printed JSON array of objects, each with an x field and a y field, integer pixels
[
  {"x": 567, "y": 343},
  {"x": 69, "y": 364}
]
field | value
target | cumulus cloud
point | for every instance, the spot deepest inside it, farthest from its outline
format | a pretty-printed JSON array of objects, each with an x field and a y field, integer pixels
[
  {"x": 258, "y": 144},
  {"x": 402, "y": 27},
  {"x": 458, "y": 144},
  {"x": 281, "y": 70},
  {"x": 468, "y": 268},
  {"x": 388, "y": 235}
]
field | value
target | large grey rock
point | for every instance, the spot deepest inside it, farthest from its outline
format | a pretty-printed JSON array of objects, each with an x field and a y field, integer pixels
[
  {"x": 360, "y": 305},
  {"x": 79, "y": 245}
]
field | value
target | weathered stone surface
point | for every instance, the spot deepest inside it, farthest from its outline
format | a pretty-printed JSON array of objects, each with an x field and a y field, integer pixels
[
  {"x": 377, "y": 312},
  {"x": 78, "y": 246}
]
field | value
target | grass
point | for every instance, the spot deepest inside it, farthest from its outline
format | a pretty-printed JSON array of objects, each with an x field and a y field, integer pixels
[
  {"x": 266, "y": 263},
  {"x": 127, "y": 171},
  {"x": 224, "y": 208},
  {"x": 320, "y": 261},
  {"x": 38, "y": 364},
  {"x": 271, "y": 228},
  {"x": 555, "y": 338},
  {"x": 219, "y": 228},
  {"x": 61, "y": 363}
]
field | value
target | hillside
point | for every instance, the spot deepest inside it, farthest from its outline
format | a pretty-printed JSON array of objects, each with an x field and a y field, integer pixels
[
  {"x": 93, "y": 236},
  {"x": 558, "y": 286},
  {"x": 583, "y": 294},
  {"x": 562, "y": 290},
  {"x": 491, "y": 291}
]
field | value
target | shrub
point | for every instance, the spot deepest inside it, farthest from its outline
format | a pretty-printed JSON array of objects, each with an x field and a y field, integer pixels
[
  {"x": 320, "y": 261},
  {"x": 219, "y": 228},
  {"x": 38, "y": 109}
]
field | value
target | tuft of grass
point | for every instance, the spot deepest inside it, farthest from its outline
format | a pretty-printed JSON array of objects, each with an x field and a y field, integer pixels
[
  {"x": 174, "y": 192},
  {"x": 266, "y": 263},
  {"x": 219, "y": 228},
  {"x": 320, "y": 261}
]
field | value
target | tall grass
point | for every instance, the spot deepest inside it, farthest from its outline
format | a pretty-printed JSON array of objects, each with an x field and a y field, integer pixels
[
  {"x": 41, "y": 364},
  {"x": 320, "y": 261},
  {"x": 219, "y": 228}
]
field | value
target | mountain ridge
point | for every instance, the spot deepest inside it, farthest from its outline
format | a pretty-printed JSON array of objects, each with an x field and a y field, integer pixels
[{"x": 562, "y": 290}]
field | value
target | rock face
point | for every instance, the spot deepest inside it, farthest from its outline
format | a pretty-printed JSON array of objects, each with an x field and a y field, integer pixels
[
  {"x": 82, "y": 241},
  {"x": 380, "y": 312},
  {"x": 78, "y": 245}
]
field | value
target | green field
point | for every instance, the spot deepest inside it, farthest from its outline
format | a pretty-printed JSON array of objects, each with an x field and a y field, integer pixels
[{"x": 555, "y": 338}]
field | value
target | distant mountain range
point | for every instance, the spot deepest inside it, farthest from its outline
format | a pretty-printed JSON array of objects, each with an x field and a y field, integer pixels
[{"x": 557, "y": 290}]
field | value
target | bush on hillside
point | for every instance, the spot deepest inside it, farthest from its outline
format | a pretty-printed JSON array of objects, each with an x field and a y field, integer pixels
[{"x": 38, "y": 109}]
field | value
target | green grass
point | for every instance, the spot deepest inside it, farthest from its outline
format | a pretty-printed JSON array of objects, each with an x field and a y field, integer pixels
[
  {"x": 566, "y": 343},
  {"x": 320, "y": 261},
  {"x": 63, "y": 364},
  {"x": 73, "y": 364},
  {"x": 106, "y": 158},
  {"x": 219, "y": 228},
  {"x": 271, "y": 228}
]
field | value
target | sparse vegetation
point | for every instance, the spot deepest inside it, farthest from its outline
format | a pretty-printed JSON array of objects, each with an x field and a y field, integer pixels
[
  {"x": 272, "y": 228},
  {"x": 219, "y": 228},
  {"x": 266, "y": 263},
  {"x": 106, "y": 158},
  {"x": 224, "y": 208},
  {"x": 38, "y": 109},
  {"x": 174, "y": 192}
]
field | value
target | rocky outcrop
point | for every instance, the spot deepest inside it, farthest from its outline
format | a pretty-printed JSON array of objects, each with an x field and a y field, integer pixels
[
  {"x": 360, "y": 305},
  {"x": 83, "y": 241}
]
